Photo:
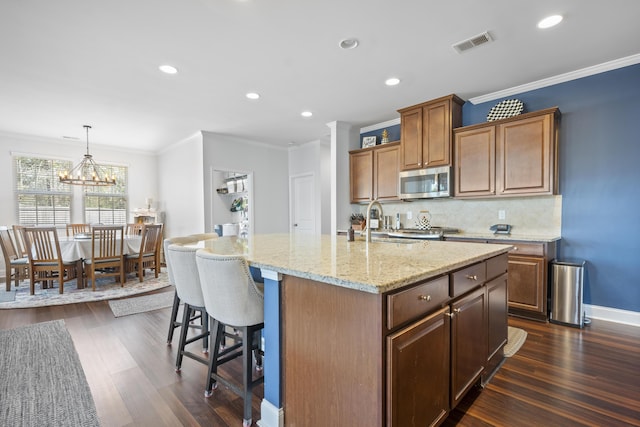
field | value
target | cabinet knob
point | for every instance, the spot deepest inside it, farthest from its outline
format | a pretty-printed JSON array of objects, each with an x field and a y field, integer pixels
[
  {"x": 472, "y": 277},
  {"x": 449, "y": 314},
  {"x": 424, "y": 297},
  {"x": 515, "y": 248},
  {"x": 456, "y": 310},
  {"x": 419, "y": 163}
]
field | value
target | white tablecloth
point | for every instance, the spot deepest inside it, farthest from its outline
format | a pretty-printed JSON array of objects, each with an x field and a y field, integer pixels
[{"x": 74, "y": 248}]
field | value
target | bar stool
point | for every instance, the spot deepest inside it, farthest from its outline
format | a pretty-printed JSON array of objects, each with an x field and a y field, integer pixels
[
  {"x": 173, "y": 322},
  {"x": 232, "y": 298},
  {"x": 189, "y": 291}
]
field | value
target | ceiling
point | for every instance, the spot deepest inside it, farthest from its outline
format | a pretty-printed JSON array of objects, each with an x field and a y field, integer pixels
[{"x": 67, "y": 63}]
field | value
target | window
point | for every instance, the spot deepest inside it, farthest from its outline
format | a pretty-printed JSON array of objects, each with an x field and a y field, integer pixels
[
  {"x": 107, "y": 204},
  {"x": 41, "y": 198}
]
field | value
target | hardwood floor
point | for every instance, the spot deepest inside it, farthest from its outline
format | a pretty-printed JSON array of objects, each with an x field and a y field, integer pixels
[{"x": 562, "y": 376}]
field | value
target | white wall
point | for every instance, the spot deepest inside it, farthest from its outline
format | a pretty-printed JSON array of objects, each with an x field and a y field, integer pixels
[
  {"x": 181, "y": 187},
  {"x": 142, "y": 169},
  {"x": 308, "y": 159},
  {"x": 269, "y": 166}
]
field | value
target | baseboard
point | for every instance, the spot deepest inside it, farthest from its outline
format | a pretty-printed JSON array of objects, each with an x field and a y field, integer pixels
[
  {"x": 612, "y": 315},
  {"x": 270, "y": 416}
]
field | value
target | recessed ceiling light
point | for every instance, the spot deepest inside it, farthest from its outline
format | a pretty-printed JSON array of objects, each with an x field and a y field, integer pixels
[
  {"x": 306, "y": 114},
  {"x": 392, "y": 81},
  {"x": 550, "y": 21},
  {"x": 253, "y": 95},
  {"x": 169, "y": 69},
  {"x": 349, "y": 43}
]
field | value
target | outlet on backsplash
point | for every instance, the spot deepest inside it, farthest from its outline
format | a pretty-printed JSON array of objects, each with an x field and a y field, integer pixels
[
  {"x": 502, "y": 214},
  {"x": 409, "y": 215}
]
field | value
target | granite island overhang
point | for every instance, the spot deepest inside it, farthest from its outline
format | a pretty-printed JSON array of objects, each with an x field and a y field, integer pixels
[
  {"x": 376, "y": 267},
  {"x": 361, "y": 275}
]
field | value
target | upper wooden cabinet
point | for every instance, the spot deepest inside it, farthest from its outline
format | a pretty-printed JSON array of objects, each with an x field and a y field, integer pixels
[
  {"x": 425, "y": 132},
  {"x": 515, "y": 156},
  {"x": 374, "y": 172}
]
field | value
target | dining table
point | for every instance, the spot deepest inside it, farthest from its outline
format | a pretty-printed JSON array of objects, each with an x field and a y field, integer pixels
[{"x": 77, "y": 247}]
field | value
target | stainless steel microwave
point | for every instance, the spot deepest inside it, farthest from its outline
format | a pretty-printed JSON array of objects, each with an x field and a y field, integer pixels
[{"x": 425, "y": 183}]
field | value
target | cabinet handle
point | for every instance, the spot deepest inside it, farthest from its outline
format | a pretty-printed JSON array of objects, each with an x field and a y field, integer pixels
[
  {"x": 456, "y": 310},
  {"x": 424, "y": 297},
  {"x": 515, "y": 248},
  {"x": 419, "y": 163},
  {"x": 472, "y": 277},
  {"x": 449, "y": 314}
]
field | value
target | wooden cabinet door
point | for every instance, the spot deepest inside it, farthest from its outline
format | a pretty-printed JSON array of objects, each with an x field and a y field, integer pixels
[
  {"x": 525, "y": 156},
  {"x": 436, "y": 139},
  {"x": 386, "y": 162},
  {"x": 527, "y": 284},
  {"x": 475, "y": 162},
  {"x": 496, "y": 291},
  {"x": 468, "y": 343},
  {"x": 418, "y": 372},
  {"x": 361, "y": 176},
  {"x": 411, "y": 139}
]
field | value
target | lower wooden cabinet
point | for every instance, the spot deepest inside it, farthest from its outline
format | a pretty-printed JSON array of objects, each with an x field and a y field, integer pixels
[
  {"x": 497, "y": 327},
  {"x": 418, "y": 372},
  {"x": 468, "y": 342}
]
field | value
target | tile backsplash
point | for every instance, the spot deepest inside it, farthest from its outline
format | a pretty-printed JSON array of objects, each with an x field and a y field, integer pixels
[{"x": 540, "y": 215}]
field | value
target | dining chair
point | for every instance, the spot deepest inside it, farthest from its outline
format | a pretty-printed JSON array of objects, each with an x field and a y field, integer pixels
[
  {"x": 16, "y": 267},
  {"x": 107, "y": 259},
  {"x": 73, "y": 229},
  {"x": 134, "y": 229},
  {"x": 45, "y": 259},
  {"x": 18, "y": 238},
  {"x": 148, "y": 256},
  {"x": 233, "y": 299}
]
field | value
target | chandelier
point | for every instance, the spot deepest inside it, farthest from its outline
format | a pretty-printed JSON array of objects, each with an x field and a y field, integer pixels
[{"x": 87, "y": 172}]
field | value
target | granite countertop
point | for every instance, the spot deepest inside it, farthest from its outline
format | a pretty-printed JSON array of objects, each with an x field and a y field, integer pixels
[{"x": 379, "y": 266}]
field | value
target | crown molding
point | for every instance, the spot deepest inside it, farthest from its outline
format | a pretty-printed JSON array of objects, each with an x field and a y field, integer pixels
[{"x": 561, "y": 78}]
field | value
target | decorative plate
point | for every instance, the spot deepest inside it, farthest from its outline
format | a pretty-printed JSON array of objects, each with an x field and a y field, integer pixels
[{"x": 505, "y": 109}]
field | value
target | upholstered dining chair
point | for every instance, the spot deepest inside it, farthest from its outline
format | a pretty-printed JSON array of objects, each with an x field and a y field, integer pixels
[
  {"x": 148, "y": 256},
  {"x": 73, "y": 229},
  {"x": 187, "y": 283},
  {"x": 173, "y": 321},
  {"x": 107, "y": 259},
  {"x": 45, "y": 259},
  {"x": 233, "y": 299},
  {"x": 16, "y": 267}
]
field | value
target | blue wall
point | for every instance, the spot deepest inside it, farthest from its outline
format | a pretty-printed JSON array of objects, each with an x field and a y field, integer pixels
[
  {"x": 599, "y": 146},
  {"x": 394, "y": 134}
]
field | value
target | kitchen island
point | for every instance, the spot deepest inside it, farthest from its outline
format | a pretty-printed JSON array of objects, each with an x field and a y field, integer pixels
[{"x": 368, "y": 333}]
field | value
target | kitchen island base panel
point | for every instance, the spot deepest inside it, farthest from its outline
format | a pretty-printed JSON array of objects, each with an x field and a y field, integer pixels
[{"x": 332, "y": 354}]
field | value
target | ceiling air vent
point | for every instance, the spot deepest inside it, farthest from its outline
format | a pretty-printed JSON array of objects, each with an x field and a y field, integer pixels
[{"x": 474, "y": 41}]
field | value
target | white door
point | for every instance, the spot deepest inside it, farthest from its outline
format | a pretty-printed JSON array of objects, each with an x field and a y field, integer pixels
[{"x": 303, "y": 210}]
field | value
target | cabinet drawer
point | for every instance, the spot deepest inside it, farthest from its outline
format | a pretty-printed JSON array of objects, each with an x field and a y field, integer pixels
[
  {"x": 536, "y": 249},
  {"x": 468, "y": 278},
  {"x": 497, "y": 266},
  {"x": 417, "y": 301}
]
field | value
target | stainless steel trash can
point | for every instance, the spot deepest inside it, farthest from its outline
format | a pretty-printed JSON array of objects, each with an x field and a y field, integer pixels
[{"x": 567, "y": 283}]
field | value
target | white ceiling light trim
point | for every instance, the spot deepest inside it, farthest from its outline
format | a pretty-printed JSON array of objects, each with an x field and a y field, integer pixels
[
  {"x": 306, "y": 114},
  {"x": 253, "y": 95},
  {"x": 393, "y": 81},
  {"x": 550, "y": 21},
  {"x": 168, "y": 69},
  {"x": 348, "y": 43}
]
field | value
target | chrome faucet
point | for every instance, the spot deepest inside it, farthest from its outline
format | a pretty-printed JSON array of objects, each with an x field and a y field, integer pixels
[{"x": 368, "y": 218}]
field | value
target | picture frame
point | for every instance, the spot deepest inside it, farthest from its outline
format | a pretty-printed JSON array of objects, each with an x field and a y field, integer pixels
[{"x": 368, "y": 141}]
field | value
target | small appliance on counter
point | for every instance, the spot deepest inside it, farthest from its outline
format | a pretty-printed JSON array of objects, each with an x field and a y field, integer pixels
[{"x": 501, "y": 229}]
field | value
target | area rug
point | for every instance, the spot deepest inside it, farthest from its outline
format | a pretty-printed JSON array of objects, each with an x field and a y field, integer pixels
[
  {"x": 106, "y": 289},
  {"x": 128, "y": 306},
  {"x": 515, "y": 338},
  {"x": 41, "y": 379}
]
